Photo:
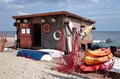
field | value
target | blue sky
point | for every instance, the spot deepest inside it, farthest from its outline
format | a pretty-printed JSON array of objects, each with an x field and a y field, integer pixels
[{"x": 106, "y": 13}]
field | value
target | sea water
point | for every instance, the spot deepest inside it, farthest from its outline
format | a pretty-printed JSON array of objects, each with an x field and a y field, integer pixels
[
  {"x": 104, "y": 35},
  {"x": 97, "y": 35},
  {"x": 9, "y": 33}
]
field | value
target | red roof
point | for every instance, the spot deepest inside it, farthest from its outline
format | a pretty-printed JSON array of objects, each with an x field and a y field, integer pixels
[{"x": 54, "y": 13}]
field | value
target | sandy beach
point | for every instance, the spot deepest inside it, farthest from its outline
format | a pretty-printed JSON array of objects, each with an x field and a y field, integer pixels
[{"x": 13, "y": 67}]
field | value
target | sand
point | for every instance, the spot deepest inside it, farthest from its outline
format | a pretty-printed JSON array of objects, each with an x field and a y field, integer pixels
[{"x": 13, "y": 67}]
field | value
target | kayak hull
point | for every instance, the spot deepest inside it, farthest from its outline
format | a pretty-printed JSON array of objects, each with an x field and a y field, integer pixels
[
  {"x": 99, "y": 52},
  {"x": 90, "y": 60}
]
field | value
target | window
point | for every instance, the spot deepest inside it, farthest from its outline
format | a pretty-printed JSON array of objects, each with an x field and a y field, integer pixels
[
  {"x": 28, "y": 31},
  {"x": 25, "y": 31}
]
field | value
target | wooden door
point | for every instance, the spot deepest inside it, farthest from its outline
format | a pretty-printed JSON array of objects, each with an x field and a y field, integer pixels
[{"x": 25, "y": 36}]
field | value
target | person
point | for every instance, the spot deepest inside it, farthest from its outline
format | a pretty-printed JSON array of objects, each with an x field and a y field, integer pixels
[{"x": 17, "y": 42}]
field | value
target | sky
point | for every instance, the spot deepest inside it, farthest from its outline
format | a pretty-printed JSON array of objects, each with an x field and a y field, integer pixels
[{"x": 106, "y": 13}]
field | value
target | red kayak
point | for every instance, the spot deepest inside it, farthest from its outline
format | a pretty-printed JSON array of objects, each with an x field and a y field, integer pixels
[{"x": 91, "y": 68}]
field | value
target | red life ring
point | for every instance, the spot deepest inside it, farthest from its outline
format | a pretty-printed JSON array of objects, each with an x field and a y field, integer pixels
[{"x": 46, "y": 28}]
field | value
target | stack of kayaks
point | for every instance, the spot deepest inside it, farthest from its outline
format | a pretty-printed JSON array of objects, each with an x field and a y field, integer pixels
[
  {"x": 93, "y": 59},
  {"x": 97, "y": 56}
]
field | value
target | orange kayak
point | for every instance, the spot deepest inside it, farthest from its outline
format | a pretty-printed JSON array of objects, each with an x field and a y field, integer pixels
[
  {"x": 99, "y": 52},
  {"x": 90, "y": 60},
  {"x": 86, "y": 68}
]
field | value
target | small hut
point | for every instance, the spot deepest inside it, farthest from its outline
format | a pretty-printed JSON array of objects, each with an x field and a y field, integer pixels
[{"x": 39, "y": 30}]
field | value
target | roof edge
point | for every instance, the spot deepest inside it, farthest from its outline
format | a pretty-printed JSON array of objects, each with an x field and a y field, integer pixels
[{"x": 53, "y": 13}]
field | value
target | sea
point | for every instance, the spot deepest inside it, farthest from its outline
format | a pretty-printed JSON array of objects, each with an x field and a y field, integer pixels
[
  {"x": 104, "y": 35},
  {"x": 97, "y": 35}
]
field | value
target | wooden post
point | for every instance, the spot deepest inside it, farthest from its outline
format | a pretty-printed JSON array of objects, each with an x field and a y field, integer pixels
[{"x": 4, "y": 35}]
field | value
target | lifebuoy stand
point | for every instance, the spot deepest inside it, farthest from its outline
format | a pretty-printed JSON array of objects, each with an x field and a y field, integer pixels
[{"x": 4, "y": 36}]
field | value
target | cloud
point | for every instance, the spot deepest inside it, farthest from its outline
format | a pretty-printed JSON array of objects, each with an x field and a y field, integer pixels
[
  {"x": 7, "y": 1},
  {"x": 105, "y": 12},
  {"x": 96, "y": 1},
  {"x": 13, "y": 6},
  {"x": 22, "y": 13},
  {"x": 49, "y": 1},
  {"x": 54, "y": 1},
  {"x": 6, "y": 6},
  {"x": 19, "y": 1},
  {"x": 106, "y": 16},
  {"x": 19, "y": 4}
]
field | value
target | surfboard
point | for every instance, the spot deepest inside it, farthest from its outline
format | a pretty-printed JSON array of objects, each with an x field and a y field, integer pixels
[{"x": 54, "y": 53}]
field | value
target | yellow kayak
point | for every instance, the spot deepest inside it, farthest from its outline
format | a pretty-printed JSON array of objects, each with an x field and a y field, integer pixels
[
  {"x": 99, "y": 52},
  {"x": 90, "y": 60}
]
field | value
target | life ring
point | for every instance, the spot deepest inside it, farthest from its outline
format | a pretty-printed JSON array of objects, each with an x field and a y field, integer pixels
[
  {"x": 46, "y": 28},
  {"x": 57, "y": 34}
]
